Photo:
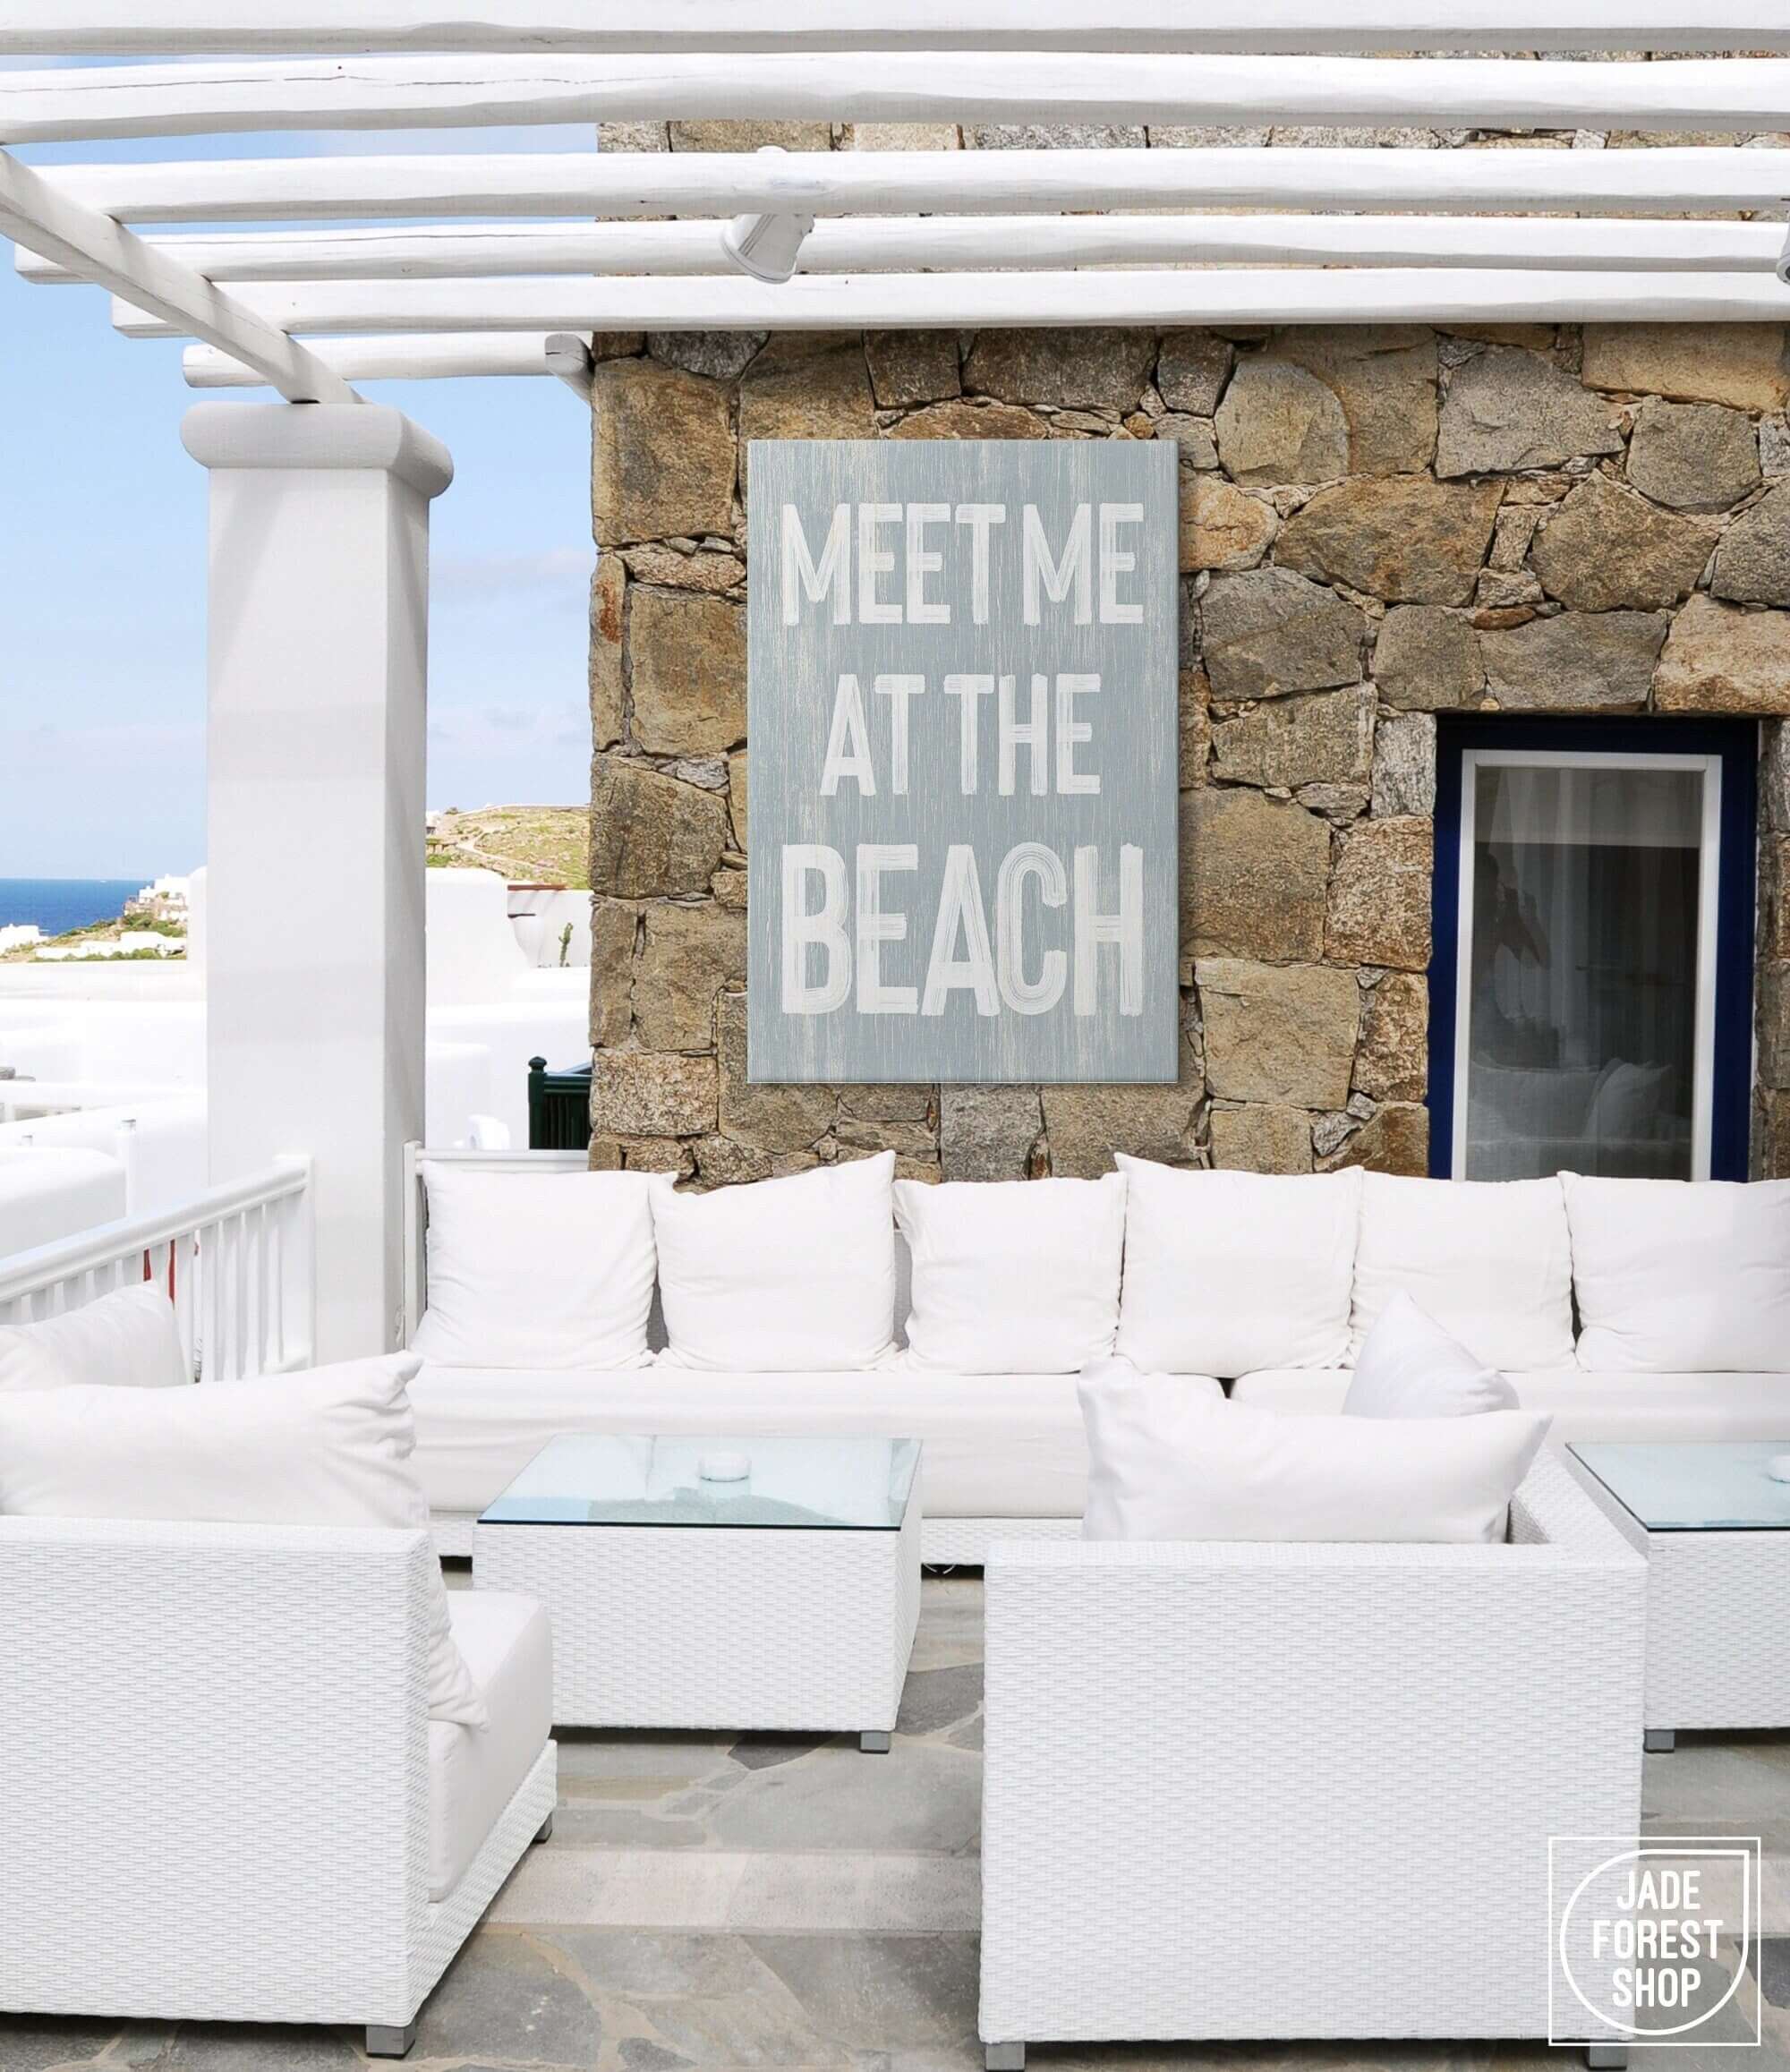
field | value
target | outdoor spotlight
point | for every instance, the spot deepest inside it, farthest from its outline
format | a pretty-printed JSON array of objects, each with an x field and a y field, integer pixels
[
  {"x": 767, "y": 247},
  {"x": 1784, "y": 260}
]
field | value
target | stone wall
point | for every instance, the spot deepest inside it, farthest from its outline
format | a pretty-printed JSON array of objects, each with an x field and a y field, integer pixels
[{"x": 1378, "y": 525}]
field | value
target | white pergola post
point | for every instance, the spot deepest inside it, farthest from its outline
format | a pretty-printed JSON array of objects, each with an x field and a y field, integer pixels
[{"x": 318, "y": 642}]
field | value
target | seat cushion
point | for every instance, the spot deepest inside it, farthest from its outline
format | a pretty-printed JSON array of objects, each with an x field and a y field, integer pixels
[
  {"x": 1585, "y": 1406},
  {"x": 996, "y": 1446},
  {"x": 507, "y": 1645}
]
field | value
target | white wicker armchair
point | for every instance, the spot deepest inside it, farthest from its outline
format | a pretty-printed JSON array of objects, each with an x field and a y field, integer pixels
[
  {"x": 215, "y": 1788},
  {"x": 1290, "y": 1791}
]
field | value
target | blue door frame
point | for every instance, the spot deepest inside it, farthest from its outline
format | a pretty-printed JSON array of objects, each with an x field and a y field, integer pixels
[{"x": 1736, "y": 742}]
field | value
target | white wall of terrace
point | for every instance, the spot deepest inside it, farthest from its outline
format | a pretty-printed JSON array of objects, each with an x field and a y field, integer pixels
[{"x": 315, "y": 738}]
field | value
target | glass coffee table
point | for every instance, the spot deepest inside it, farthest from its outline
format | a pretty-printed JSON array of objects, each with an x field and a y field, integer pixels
[
  {"x": 1715, "y": 1528},
  {"x": 732, "y": 1583}
]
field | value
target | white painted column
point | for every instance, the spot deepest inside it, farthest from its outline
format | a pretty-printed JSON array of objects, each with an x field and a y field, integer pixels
[{"x": 319, "y": 646}]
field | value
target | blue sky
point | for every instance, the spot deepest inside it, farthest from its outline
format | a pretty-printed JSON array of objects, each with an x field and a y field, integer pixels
[{"x": 102, "y": 571}]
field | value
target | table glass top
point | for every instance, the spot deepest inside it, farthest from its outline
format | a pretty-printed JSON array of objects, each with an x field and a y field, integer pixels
[
  {"x": 1696, "y": 1488},
  {"x": 842, "y": 1485}
]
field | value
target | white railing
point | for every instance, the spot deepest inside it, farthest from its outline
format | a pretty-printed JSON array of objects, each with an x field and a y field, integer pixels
[{"x": 235, "y": 1261}]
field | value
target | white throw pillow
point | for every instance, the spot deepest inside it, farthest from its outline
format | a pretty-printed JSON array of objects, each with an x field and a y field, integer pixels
[
  {"x": 1410, "y": 1367},
  {"x": 1018, "y": 1276},
  {"x": 1677, "y": 1277},
  {"x": 1228, "y": 1272},
  {"x": 537, "y": 1270},
  {"x": 1489, "y": 1260},
  {"x": 792, "y": 1275},
  {"x": 125, "y": 1340},
  {"x": 330, "y": 1447},
  {"x": 1167, "y": 1462}
]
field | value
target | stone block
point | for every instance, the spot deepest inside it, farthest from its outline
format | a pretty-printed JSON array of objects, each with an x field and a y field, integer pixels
[
  {"x": 662, "y": 453},
  {"x": 1196, "y": 727},
  {"x": 1384, "y": 376},
  {"x": 1323, "y": 738},
  {"x": 802, "y": 386},
  {"x": 609, "y": 592},
  {"x": 1406, "y": 539},
  {"x": 1753, "y": 563},
  {"x": 1392, "y": 1063},
  {"x": 1097, "y": 369},
  {"x": 717, "y": 355},
  {"x": 1279, "y": 1034},
  {"x": 689, "y": 953},
  {"x": 1395, "y": 1140},
  {"x": 686, "y": 661},
  {"x": 1581, "y": 662},
  {"x": 1774, "y": 1025},
  {"x": 988, "y": 1132},
  {"x": 1606, "y": 548},
  {"x": 1719, "y": 658},
  {"x": 738, "y": 135},
  {"x": 1743, "y": 365},
  {"x": 1191, "y": 370},
  {"x": 1774, "y": 776},
  {"x": 910, "y": 367},
  {"x": 1695, "y": 456},
  {"x": 665, "y": 1155},
  {"x": 738, "y": 793},
  {"x": 1428, "y": 660},
  {"x": 614, "y": 925},
  {"x": 1253, "y": 871},
  {"x": 1268, "y": 632},
  {"x": 1507, "y": 409},
  {"x": 900, "y": 137},
  {"x": 1085, "y": 1125},
  {"x": 1258, "y": 1139},
  {"x": 683, "y": 569},
  {"x": 1404, "y": 765},
  {"x": 1380, "y": 894},
  {"x": 967, "y": 420},
  {"x": 1279, "y": 423},
  {"x": 900, "y": 1103},
  {"x": 766, "y": 1118},
  {"x": 1771, "y": 1134},
  {"x": 722, "y": 1163},
  {"x": 1220, "y": 526},
  {"x": 1774, "y": 896},
  {"x": 652, "y": 836},
  {"x": 647, "y": 1094}
]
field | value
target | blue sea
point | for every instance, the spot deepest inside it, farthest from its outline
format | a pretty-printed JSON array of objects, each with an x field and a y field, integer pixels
[{"x": 59, "y": 904}]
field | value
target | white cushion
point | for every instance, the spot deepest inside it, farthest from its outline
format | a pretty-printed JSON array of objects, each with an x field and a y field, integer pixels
[
  {"x": 508, "y": 1647},
  {"x": 535, "y": 1269},
  {"x": 124, "y": 1340},
  {"x": 1680, "y": 1274},
  {"x": 1410, "y": 1367},
  {"x": 796, "y": 1273},
  {"x": 995, "y": 1446},
  {"x": 1228, "y": 1271},
  {"x": 1012, "y": 1277},
  {"x": 1165, "y": 1462},
  {"x": 330, "y": 1447},
  {"x": 1489, "y": 1260}
]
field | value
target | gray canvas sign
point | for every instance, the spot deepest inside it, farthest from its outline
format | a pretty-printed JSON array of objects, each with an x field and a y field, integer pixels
[{"x": 963, "y": 728}]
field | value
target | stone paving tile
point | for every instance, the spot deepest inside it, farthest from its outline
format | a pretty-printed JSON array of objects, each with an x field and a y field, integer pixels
[
  {"x": 35, "y": 2043},
  {"x": 233, "y": 2047},
  {"x": 939, "y": 1698},
  {"x": 509, "y": 1996}
]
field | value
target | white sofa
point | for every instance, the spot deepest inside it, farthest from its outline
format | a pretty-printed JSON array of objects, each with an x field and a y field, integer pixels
[
  {"x": 1004, "y": 1453},
  {"x": 223, "y": 1797}
]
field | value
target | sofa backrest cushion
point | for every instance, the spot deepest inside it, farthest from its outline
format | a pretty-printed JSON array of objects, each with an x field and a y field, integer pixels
[
  {"x": 125, "y": 1340},
  {"x": 1680, "y": 1276},
  {"x": 1489, "y": 1260},
  {"x": 328, "y": 1447},
  {"x": 1016, "y": 1276},
  {"x": 796, "y": 1276},
  {"x": 1165, "y": 1461},
  {"x": 537, "y": 1270},
  {"x": 1226, "y": 1272},
  {"x": 1410, "y": 1367}
]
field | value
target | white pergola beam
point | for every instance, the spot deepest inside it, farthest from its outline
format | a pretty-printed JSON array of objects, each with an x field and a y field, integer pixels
[
  {"x": 297, "y": 260},
  {"x": 1741, "y": 94},
  {"x": 440, "y": 355},
  {"x": 1152, "y": 296},
  {"x": 642, "y": 184},
  {"x": 142, "y": 28},
  {"x": 105, "y": 253}
]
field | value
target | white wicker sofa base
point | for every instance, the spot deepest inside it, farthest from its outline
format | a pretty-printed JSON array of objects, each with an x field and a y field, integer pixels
[
  {"x": 217, "y": 1798},
  {"x": 1280, "y": 1791}
]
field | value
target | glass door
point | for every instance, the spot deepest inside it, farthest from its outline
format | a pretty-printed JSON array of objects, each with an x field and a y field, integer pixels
[{"x": 1585, "y": 958}]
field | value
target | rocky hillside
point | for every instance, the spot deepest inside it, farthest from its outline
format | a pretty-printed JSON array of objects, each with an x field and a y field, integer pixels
[{"x": 546, "y": 845}]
